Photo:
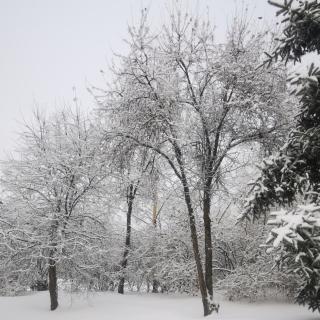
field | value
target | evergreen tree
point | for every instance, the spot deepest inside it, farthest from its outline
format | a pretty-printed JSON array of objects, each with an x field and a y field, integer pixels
[{"x": 291, "y": 178}]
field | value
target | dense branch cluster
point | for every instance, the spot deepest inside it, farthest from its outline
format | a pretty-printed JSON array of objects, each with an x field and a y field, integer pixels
[{"x": 144, "y": 195}]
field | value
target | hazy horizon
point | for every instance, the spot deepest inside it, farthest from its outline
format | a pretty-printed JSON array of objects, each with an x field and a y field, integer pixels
[{"x": 52, "y": 49}]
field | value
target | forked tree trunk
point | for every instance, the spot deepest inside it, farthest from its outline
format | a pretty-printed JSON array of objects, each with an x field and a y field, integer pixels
[
  {"x": 195, "y": 245},
  {"x": 208, "y": 305},
  {"x": 53, "y": 288},
  {"x": 130, "y": 197}
]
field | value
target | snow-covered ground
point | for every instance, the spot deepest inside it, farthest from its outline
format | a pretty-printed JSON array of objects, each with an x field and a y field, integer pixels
[{"x": 139, "y": 307}]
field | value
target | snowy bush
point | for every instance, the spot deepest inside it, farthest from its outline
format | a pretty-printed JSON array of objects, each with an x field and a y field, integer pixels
[
  {"x": 258, "y": 281},
  {"x": 165, "y": 256},
  {"x": 252, "y": 273}
]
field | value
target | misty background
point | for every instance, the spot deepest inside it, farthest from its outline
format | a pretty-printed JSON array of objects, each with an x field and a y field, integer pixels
[{"x": 52, "y": 51}]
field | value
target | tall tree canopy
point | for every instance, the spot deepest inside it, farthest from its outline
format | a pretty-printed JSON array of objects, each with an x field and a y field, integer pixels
[{"x": 195, "y": 103}]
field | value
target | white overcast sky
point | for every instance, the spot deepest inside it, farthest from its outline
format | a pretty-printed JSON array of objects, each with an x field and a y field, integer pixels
[{"x": 48, "y": 47}]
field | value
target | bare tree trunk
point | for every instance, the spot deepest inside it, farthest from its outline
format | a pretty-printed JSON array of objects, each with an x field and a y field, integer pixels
[
  {"x": 130, "y": 197},
  {"x": 155, "y": 282},
  {"x": 208, "y": 306},
  {"x": 121, "y": 285},
  {"x": 52, "y": 269},
  {"x": 53, "y": 288},
  {"x": 208, "y": 242},
  {"x": 155, "y": 286},
  {"x": 194, "y": 237},
  {"x": 155, "y": 207}
]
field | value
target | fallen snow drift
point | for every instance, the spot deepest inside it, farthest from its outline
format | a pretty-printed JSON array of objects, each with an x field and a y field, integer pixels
[{"x": 139, "y": 307}]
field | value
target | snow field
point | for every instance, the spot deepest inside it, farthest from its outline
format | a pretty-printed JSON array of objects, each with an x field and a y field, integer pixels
[{"x": 140, "y": 307}]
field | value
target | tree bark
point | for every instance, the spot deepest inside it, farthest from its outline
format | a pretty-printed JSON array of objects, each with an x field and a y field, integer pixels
[
  {"x": 53, "y": 288},
  {"x": 121, "y": 285},
  {"x": 208, "y": 306},
  {"x": 208, "y": 242},
  {"x": 196, "y": 252},
  {"x": 155, "y": 286},
  {"x": 155, "y": 282},
  {"x": 52, "y": 269},
  {"x": 130, "y": 197}
]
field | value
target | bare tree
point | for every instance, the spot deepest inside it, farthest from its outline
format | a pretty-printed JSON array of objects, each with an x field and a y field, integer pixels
[
  {"x": 58, "y": 167},
  {"x": 131, "y": 165},
  {"x": 194, "y": 103}
]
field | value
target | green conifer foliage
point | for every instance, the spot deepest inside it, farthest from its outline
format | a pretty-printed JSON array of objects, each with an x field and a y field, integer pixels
[{"x": 291, "y": 178}]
